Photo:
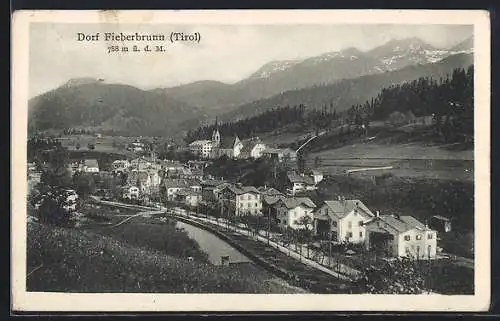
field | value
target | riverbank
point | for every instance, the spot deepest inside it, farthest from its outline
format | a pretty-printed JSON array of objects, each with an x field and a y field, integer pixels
[{"x": 71, "y": 260}]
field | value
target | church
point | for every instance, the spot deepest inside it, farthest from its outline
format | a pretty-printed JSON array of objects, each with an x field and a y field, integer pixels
[{"x": 229, "y": 146}]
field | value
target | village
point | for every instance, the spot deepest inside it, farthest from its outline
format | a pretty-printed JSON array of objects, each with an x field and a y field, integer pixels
[{"x": 288, "y": 212}]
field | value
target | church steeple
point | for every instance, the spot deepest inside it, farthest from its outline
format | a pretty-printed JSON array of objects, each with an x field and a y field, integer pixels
[{"x": 216, "y": 135}]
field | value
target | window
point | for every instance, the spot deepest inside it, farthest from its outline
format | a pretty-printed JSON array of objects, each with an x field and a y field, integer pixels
[
  {"x": 429, "y": 236},
  {"x": 360, "y": 234},
  {"x": 407, "y": 237},
  {"x": 349, "y": 235},
  {"x": 419, "y": 237},
  {"x": 334, "y": 223},
  {"x": 349, "y": 224},
  {"x": 255, "y": 204}
]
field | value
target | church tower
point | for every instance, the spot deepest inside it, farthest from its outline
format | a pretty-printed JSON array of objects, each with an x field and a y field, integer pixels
[{"x": 216, "y": 136}]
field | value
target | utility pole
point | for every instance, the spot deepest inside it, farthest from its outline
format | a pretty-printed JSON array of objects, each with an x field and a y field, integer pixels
[
  {"x": 330, "y": 245},
  {"x": 268, "y": 224}
]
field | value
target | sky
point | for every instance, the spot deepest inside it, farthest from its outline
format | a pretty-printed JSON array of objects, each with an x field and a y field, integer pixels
[{"x": 226, "y": 53}]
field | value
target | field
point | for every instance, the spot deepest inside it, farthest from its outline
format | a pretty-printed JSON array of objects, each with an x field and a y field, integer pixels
[
  {"x": 408, "y": 160},
  {"x": 104, "y": 144}
]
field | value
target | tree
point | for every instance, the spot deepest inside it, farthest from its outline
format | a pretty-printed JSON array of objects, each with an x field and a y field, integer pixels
[
  {"x": 402, "y": 276},
  {"x": 52, "y": 207},
  {"x": 305, "y": 234},
  {"x": 56, "y": 172},
  {"x": 84, "y": 184},
  {"x": 77, "y": 146}
]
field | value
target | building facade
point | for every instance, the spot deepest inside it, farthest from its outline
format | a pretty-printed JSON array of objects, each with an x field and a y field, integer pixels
[{"x": 401, "y": 236}]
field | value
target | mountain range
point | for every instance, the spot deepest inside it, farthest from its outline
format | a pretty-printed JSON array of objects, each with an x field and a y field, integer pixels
[
  {"x": 341, "y": 78},
  {"x": 280, "y": 76}
]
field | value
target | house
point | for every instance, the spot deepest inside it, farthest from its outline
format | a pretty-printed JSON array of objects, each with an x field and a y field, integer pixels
[
  {"x": 440, "y": 223},
  {"x": 148, "y": 180},
  {"x": 188, "y": 197},
  {"x": 130, "y": 192},
  {"x": 192, "y": 173},
  {"x": 299, "y": 183},
  {"x": 400, "y": 236},
  {"x": 270, "y": 191},
  {"x": 91, "y": 166},
  {"x": 281, "y": 155},
  {"x": 194, "y": 185},
  {"x": 342, "y": 220},
  {"x": 120, "y": 165},
  {"x": 229, "y": 146},
  {"x": 210, "y": 189},
  {"x": 71, "y": 200},
  {"x": 317, "y": 176},
  {"x": 291, "y": 212},
  {"x": 201, "y": 148},
  {"x": 252, "y": 148},
  {"x": 241, "y": 200},
  {"x": 172, "y": 186}
]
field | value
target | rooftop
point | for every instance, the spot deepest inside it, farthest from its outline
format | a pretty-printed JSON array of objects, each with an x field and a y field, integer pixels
[
  {"x": 343, "y": 207},
  {"x": 91, "y": 163},
  {"x": 293, "y": 202}
]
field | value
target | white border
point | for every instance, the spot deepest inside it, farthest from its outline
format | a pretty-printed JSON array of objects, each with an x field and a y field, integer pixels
[{"x": 30, "y": 301}]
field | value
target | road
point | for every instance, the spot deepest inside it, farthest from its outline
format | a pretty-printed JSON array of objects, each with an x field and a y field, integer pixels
[{"x": 239, "y": 229}]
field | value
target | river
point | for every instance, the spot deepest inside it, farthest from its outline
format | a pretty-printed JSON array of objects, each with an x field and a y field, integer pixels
[{"x": 212, "y": 245}]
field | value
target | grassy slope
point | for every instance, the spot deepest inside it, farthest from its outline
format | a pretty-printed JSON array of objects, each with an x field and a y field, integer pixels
[{"x": 75, "y": 261}]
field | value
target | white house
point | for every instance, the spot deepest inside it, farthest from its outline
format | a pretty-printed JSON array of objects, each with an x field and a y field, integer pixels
[
  {"x": 290, "y": 212},
  {"x": 343, "y": 219},
  {"x": 299, "y": 183},
  {"x": 201, "y": 148},
  {"x": 252, "y": 148},
  {"x": 173, "y": 186},
  {"x": 241, "y": 200},
  {"x": 400, "y": 236},
  {"x": 188, "y": 197},
  {"x": 130, "y": 192},
  {"x": 71, "y": 198},
  {"x": 317, "y": 176},
  {"x": 91, "y": 166},
  {"x": 120, "y": 165},
  {"x": 281, "y": 155}
]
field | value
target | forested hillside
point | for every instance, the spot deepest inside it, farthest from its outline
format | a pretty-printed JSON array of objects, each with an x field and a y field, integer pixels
[
  {"x": 348, "y": 92},
  {"x": 450, "y": 100}
]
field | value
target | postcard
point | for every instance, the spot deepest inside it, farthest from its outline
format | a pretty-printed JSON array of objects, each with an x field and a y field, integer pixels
[{"x": 250, "y": 160}]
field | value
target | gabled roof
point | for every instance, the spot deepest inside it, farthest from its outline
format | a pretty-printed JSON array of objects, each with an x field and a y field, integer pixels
[
  {"x": 269, "y": 191},
  {"x": 293, "y": 202},
  {"x": 91, "y": 163},
  {"x": 296, "y": 178},
  {"x": 400, "y": 224},
  {"x": 249, "y": 145},
  {"x": 178, "y": 183},
  {"x": 200, "y": 142},
  {"x": 228, "y": 142},
  {"x": 439, "y": 217},
  {"x": 212, "y": 182},
  {"x": 271, "y": 200},
  {"x": 341, "y": 208},
  {"x": 241, "y": 190},
  {"x": 186, "y": 192}
]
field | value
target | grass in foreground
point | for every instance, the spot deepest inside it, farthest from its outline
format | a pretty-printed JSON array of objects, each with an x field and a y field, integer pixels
[{"x": 68, "y": 260}]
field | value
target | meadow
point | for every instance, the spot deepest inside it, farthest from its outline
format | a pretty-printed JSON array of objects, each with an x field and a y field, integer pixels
[{"x": 71, "y": 260}]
